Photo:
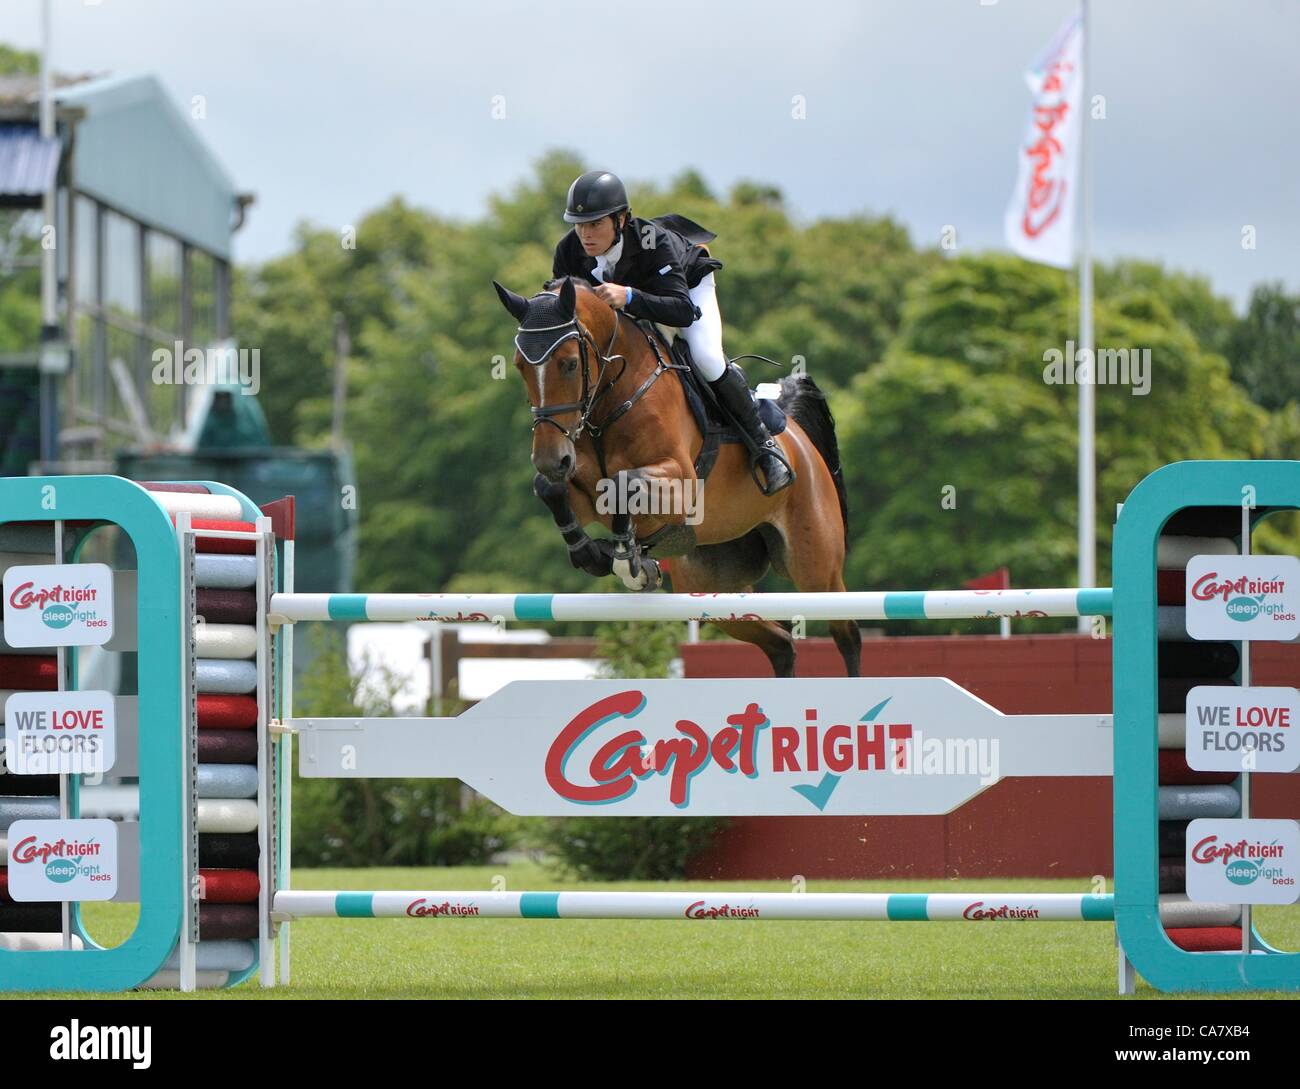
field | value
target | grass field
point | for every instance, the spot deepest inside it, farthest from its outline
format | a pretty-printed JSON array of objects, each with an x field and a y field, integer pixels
[{"x": 509, "y": 958}]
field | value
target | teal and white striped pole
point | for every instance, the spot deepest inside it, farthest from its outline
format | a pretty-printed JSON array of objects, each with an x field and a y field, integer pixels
[
  {"x": 878, "y": 907},
  {"x": 847, "y": 605}
]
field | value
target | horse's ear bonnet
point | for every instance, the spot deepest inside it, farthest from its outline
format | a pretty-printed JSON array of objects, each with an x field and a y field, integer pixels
[{"x": 548, "y": 324}]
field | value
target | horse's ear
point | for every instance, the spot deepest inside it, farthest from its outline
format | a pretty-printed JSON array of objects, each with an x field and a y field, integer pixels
[
  {"x": 516, "y": 304},
  {"x": 568, "y": 298}
]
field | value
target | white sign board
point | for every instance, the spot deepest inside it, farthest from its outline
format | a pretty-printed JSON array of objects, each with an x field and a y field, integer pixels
[
  {"x": 768, "y": 746},
  {"x": 1243, "y": 861},
  {"x": 60, "y": 733},
  {"x": 62, "y": 860},
  {"x": 1243, "y": 597},
  {"x": 1243, "y": 729},
  {"x": 58, "y": 605}
]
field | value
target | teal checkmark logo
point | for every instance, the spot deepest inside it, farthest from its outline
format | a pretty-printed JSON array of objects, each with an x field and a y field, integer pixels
[{"x": 820, "y": 794}]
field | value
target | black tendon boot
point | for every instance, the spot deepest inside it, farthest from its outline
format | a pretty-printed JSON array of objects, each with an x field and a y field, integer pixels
[{"x": 732, "y": 391}]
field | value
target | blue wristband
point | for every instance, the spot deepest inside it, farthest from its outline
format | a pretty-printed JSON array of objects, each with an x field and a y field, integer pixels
[{"x": 629, "y": 296}]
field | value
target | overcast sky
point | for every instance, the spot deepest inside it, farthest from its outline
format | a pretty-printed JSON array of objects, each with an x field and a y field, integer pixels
[{"x": 326, "y": 108}]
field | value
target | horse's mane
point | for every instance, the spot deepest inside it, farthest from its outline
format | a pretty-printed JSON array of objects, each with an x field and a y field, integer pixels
[{"x": 578, "y": 282}]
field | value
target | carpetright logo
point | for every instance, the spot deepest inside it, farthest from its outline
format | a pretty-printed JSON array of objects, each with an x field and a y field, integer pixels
[
  {"x": 702, "y": 909},
  {"x": 64, "y": 605},
  {"x": 72, "y": 859},
  {"x": 1243, "y": 597},
  {"x": 63, "y": 860},
  {"x": 979, "y": 910},
  {"x": 1243, "y": 861},
  {"x": 423, "y": 908},
  {"x": 58, "y": 605},
  {"x": 749, "y": 746}
]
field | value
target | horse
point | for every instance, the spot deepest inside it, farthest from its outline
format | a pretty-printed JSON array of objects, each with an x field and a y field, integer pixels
[{"x": 610, "y": 439}]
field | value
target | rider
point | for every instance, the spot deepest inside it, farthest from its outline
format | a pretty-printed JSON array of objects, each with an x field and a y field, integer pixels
[{"x": 659, "y": 270}]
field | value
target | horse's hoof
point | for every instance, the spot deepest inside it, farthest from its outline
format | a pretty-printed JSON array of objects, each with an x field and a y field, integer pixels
[
  {"x": 632, "y": 574},
  {"x": 638, "y": 572},
  {"x": 652, "y": 573}
]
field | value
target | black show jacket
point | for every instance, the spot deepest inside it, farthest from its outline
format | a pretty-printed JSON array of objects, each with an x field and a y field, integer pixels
[{"x": 662, "y": 260}]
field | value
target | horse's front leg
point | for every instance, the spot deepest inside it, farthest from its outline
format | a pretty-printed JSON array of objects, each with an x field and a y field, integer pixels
[
  {"x": 652, "y": 493},
  {"x": 585, "y": 553}
]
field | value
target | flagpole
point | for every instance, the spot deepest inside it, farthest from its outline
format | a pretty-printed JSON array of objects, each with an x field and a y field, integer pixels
[{"x": 1087, "y": 390}]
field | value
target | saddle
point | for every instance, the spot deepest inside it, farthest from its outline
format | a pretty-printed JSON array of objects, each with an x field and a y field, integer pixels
[{"x": 709, "y": 418}]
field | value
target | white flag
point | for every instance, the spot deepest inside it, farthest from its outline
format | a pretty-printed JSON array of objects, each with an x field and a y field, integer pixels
[{"x": 1040, "y": 217}]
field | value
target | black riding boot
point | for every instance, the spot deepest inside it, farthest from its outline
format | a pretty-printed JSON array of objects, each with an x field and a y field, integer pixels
[{"x": 732, "y": 391}]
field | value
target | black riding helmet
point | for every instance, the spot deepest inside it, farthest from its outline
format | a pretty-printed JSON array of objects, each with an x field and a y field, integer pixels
[{"x": 594, "y": 195}]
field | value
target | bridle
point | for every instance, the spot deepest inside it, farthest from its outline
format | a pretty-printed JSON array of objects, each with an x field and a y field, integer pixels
[{"x": 591, "y": 393}]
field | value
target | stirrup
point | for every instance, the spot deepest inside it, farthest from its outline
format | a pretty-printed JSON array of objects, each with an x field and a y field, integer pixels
[{"x": 772, "y": 448}]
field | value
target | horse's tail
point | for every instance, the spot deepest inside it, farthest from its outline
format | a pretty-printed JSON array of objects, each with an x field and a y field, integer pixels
[{"x": 806, "y": 405}]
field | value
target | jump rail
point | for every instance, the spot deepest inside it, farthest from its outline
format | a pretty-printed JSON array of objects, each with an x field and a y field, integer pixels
[
  {"x": 287, "y": 608},
  {"x": 864, "y": 907}
]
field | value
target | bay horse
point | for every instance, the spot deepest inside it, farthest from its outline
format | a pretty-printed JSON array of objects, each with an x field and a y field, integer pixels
[{"x": 610, "y": 439}]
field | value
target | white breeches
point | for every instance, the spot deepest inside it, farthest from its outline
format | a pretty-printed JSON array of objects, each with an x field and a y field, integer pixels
[{"x": 704, "y": 335}]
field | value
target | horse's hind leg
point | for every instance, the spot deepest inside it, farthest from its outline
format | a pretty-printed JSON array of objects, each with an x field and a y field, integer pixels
[
  {"x": 732, "y": 568},
  {"x": 812, "y": 551},
  {"x": 811, "y": 575},
  {"x": 848, "y": 640},
  {"x": 770, "y": 637}
]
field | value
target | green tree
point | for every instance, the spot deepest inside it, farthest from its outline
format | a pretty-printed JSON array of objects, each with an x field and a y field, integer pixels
[
  {"x": 1264, "y": 347},
  {"x": 960, "y": 456},
  {"x": 18, "y": 62}
]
